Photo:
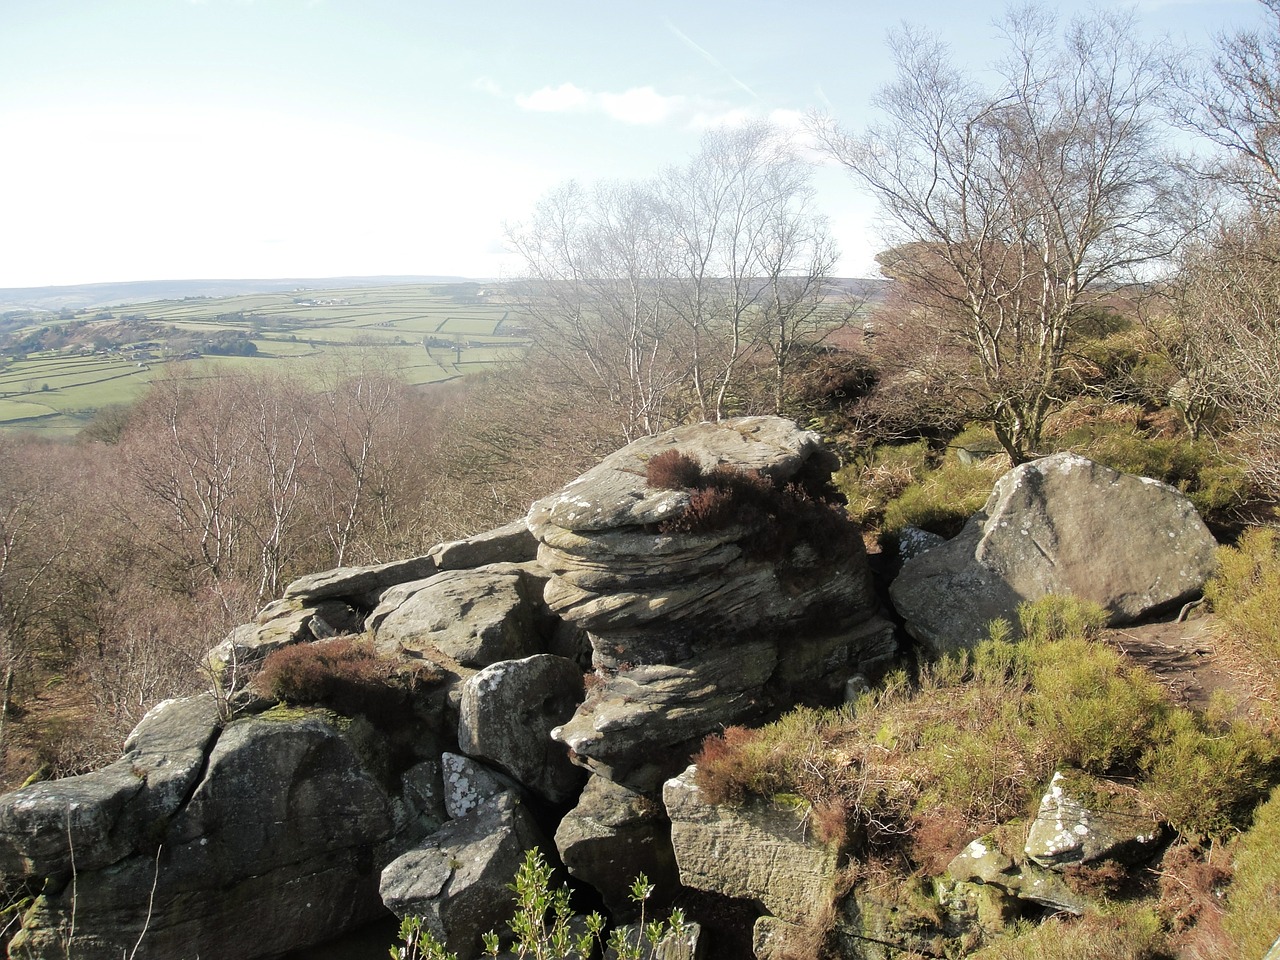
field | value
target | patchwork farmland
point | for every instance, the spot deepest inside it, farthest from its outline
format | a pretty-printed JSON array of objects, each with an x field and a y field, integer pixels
[{"x": 56, "y": 371}]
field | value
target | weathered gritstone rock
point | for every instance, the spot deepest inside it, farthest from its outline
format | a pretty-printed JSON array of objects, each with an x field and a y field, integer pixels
[
  {"x": 476, "y": 617},
  {"x": 983, "y": 862},
  {"x": 458, "y": 879},
  {"x": 512, "y": 543},
  {"x": 469, "y": 784},
  {"x": 759, "y": 850},
  {"x": 692, "y": 631},
  {"x": 610, "y": 837},
  {"x": 1069, "y": 829},
  {"x": 99, "y": 818},
  {"x": 358, "y": 582},
  {"x": 276, "y": 838},
  {"x": 507, "y": 713},
  {"x": 1058, "y": 525}
]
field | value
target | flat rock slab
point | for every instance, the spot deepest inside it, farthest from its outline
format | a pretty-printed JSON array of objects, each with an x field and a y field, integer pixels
[
  {"x": 1058, "y": 525},
  {"x": 757, "y": 850}
]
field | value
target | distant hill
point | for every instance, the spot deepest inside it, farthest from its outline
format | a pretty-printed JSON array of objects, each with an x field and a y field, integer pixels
[
  {"x": 86, "y": 295},
  {"x": 80, "y": 296}
]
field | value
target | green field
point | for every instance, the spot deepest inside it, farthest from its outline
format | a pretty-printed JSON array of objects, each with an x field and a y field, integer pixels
[{"x": 428, "y": 332}]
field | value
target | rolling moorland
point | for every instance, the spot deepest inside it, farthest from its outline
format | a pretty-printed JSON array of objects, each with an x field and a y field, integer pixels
[{"x": 57, "y": 369}]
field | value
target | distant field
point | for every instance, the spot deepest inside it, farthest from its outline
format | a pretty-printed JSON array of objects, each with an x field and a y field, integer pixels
[{"x": 429, "y": 332}]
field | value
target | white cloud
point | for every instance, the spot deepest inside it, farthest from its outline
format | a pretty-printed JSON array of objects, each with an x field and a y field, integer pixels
[
  {"x": 638, "y": 105},
  {"x": 562, "y": 99},
  {"x": 487, "y": 85}
]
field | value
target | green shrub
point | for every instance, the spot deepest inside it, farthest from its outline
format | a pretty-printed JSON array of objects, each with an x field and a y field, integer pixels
[
  {"x": 1245, "y": 591},
  {"x": 944, "y": 499},
  {"x": 1204, "y": 778},
  {"x": 1061, "y": 617},
  {"x": 880, "y": 475},
  {"x": 542, "y": 925},
  {"x": 1253, "y": 902},
  {"x": 1090, "y": 708}
]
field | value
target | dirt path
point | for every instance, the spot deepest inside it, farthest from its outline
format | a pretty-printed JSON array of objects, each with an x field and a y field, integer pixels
[{"x": 1193, "y": 664}]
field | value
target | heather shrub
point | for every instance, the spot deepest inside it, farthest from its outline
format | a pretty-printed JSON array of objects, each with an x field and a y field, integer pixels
[
  {"x": 342, "y": 672},
  {"x": 1090, "y": 708},
  {"x": 1061, "y": 617},
  {"x": 673, "y": 470},
  {"x": 1253, "y": 901},
  {"x": 1205, "y": 778},
  {"x": 778, "y": 516},
  {"x": 1131, "y": 932}
]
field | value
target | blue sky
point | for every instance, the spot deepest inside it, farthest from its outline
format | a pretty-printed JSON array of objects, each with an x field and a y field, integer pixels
[{"x": 171, "y": 139}]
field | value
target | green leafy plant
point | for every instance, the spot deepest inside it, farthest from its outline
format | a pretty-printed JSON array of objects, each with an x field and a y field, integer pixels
[{"x": 544, "y": 925}]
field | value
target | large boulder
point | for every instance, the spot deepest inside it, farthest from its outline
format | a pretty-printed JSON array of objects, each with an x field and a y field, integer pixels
[
  {"x": 507, "y": 714},
  {"x": 277, "y": 837},
  {"x": 512, "y": 543},
  {"x": 458, "y": 879},
  {"x": 694, "y": 626},
  {"x": 1058, "y": 525}
]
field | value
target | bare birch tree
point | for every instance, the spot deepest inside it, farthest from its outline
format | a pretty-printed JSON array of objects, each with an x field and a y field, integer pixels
[
  {"x": 1011, "y": 209},
  {"x": 660, "y": 294}
]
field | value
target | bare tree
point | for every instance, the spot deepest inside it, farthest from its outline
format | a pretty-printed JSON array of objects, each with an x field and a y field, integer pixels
[
  {"x": 1227, "y": 307},
  {"x": 1009, "y": 210},
  {"x": 1235, "y": 104},
  {"x": 658, "y": 293},
  {"x": 596, "y": 261}
]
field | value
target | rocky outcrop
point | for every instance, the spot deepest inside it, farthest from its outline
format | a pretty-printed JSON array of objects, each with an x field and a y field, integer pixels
[
  {"x": 1058, "y": 525},
  {"x": 296, "y": 822},
  {"x": 693, "y": 627}
]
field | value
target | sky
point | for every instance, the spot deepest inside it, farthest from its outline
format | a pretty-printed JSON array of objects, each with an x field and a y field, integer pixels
[{"x": 200, "y": 139}]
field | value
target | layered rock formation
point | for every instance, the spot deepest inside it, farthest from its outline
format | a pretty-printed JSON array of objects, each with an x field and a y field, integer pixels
[
  {"x": 1064, "y": 525},
  {"x": 694, "y": 629},
  {"x": 611, "y": 631}
]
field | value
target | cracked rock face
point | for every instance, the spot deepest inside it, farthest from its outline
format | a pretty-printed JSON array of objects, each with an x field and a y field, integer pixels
[
  {"x": 265, "y": 825},
  {"x": 1060, "y": 525}
]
